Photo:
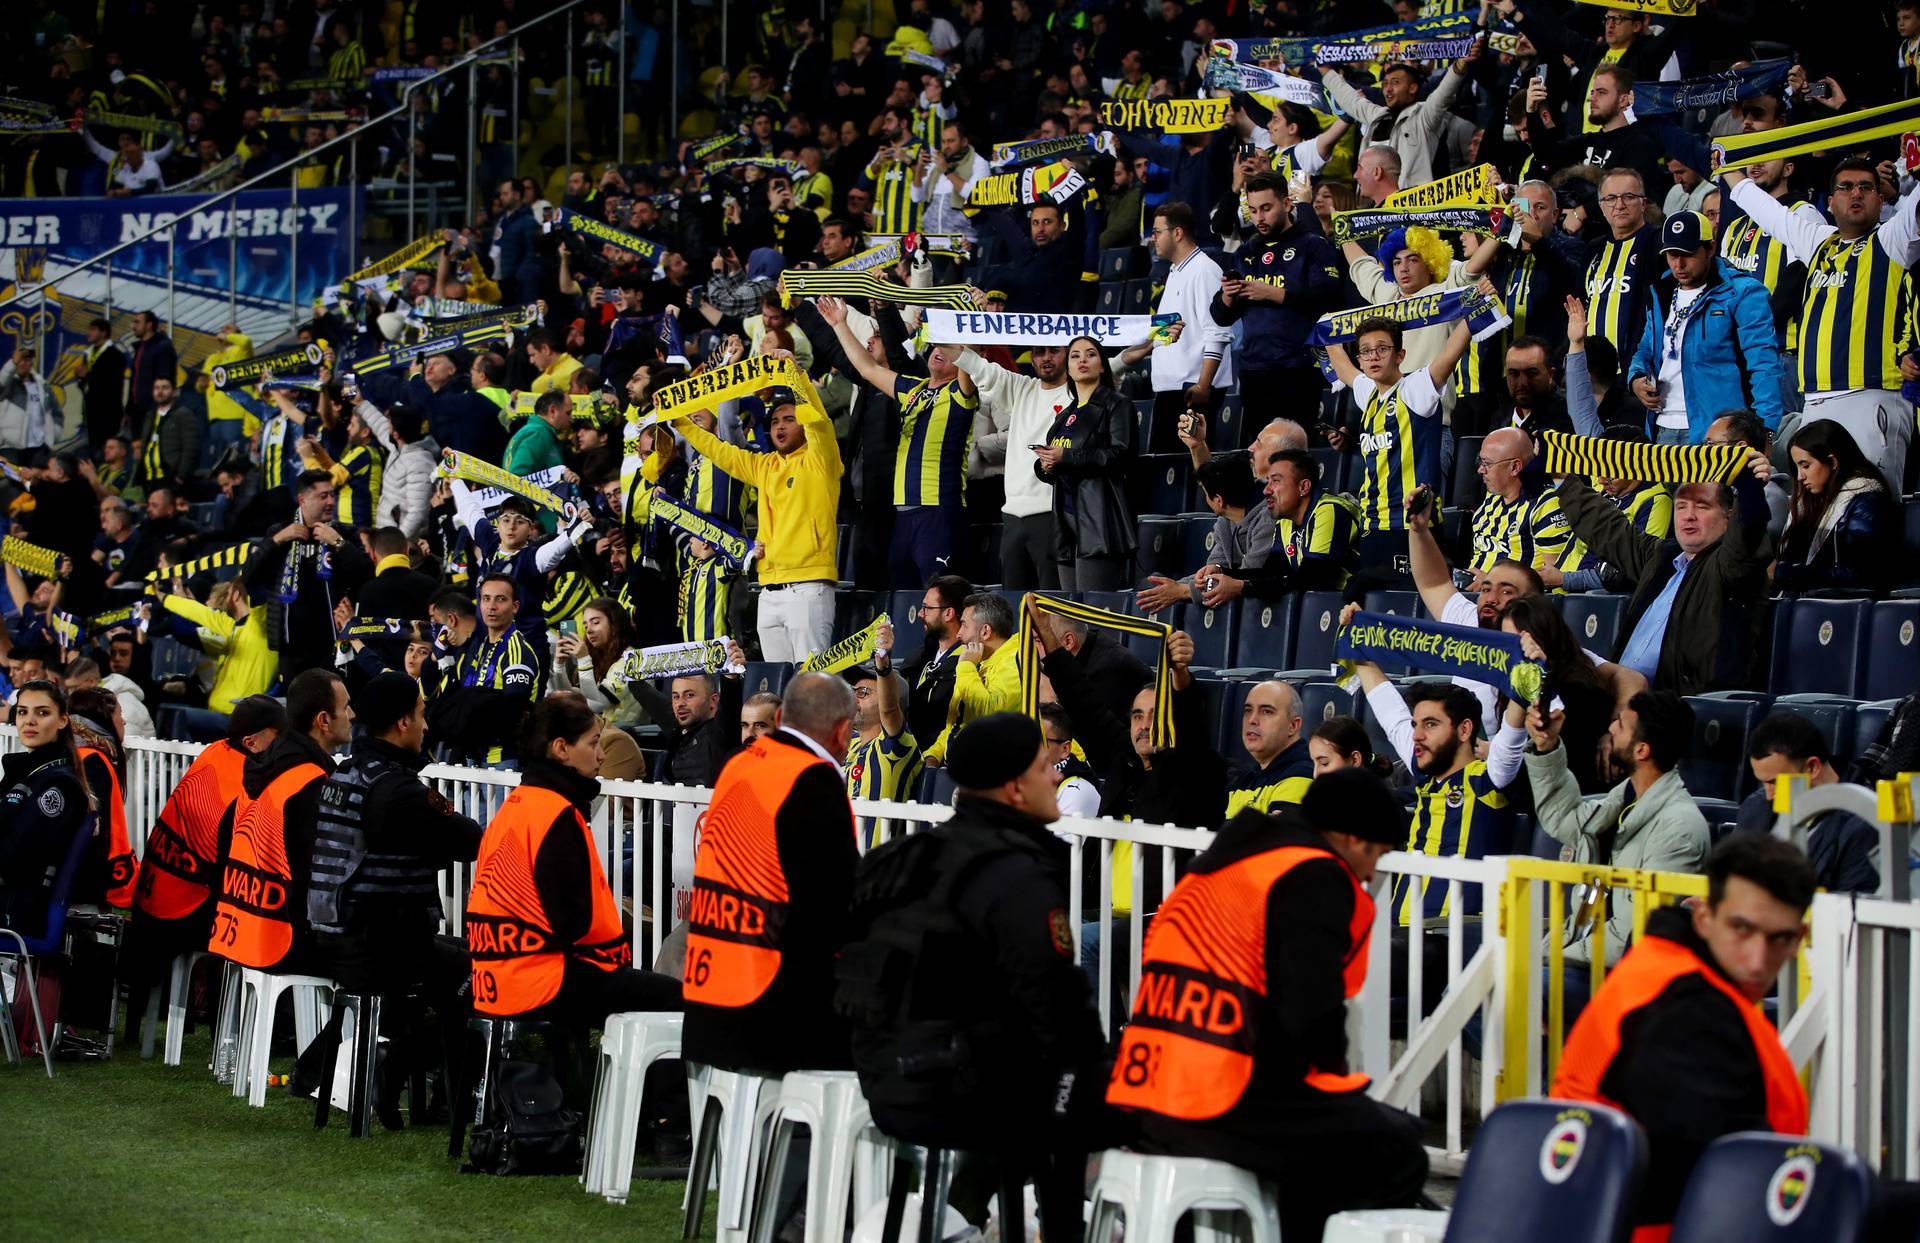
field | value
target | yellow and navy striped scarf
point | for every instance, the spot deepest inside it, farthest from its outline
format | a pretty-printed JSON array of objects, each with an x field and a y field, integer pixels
[
  {"x": 1086, "y": 614},
  {"x": 1613, "y": 459}
]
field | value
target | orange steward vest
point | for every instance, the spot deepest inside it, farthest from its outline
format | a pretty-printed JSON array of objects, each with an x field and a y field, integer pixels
[
  {"x": 253, "y": 924},
  {"x": 739, "y": 900},
  {"x": 183, "y": 846},
  {"x": 122, "y": 868},
  {"x": 1640, "y": 978},
  {"x": 518, "y": 964},
  {"x": 1188, "y": 1052}
]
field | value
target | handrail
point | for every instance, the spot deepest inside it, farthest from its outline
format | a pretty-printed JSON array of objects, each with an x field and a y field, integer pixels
[{"x": 352, "y": 135}]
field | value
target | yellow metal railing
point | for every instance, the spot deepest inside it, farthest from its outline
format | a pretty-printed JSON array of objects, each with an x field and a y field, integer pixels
[{"x": 1528, "y": 943}]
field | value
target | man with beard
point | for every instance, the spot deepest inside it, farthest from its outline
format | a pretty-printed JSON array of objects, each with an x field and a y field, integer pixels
[
  {"x": 704, "y": 716},
  {"x": 1314, "y": 546},
  {"x": 1281, "y": 285},
  {"x": 930, "y": 678}
]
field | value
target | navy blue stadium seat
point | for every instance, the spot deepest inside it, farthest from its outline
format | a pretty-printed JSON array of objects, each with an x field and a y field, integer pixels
[
  {"x": 1111, "y": 298},
  {"x": 1316, "y": 630},
  {"x": 1212, "y": 631},
  {"x": 1398, "y": 603},
  {"x": 1196, "y": 542},
  {"x": 1226, "y": 427},
  {"x": 1835, "y": 716},
  {"x": 1112, "y": 601},
  {"x": 1320, "y": 701},
  {"x": 1466, "y": 488},
  {"x": 1117, "y": 262},
  {"x": 843, "y": 555},
  {"x": 936, "y": 787},
  {"x": 172, "y": 658},
  {"x": 1893, "y": 650},
  {"x": 1820, "y": 646},
  {"x": 1263, "y": 635},
  {"x": 1720, "y": 813},
  {"x": 1868, "y": 721},
  {"x": 1139, "y": 297},
  {"x": 765, "y": 675},
  {"x": 1159, "y": 482},
  {"x": 1545, "y": 1169},
  {"x": 1717, "y": 767},
  {"x": 1910, "y": 526},
  {"x": 1225, "y": 714},
  {"x": 1764, "y": 1188},
  {"x": 1595, "y": 617},
  {"x": 1333, "y": 464},
  {"x": 909, "y": 634},
  {"x": 852, "y": 610},
  {"x": 1540, "y": 843},
  {"x": 1160, "y": 548}
]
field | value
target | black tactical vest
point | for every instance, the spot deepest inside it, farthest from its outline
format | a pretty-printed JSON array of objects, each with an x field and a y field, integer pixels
[{"x": 343, "y": 866}]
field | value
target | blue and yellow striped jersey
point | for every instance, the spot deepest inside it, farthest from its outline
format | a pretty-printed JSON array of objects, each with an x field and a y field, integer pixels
[
  {"x": 706, "y": 590},
  {"x": 936, "y": 431},
  {"x": 1619, "y": 275},
  {"x": 1649, "y": 508},
  {"x": 362, "y": 489},
  {"x": 714, "y": 492},
  {"x": 883, "y": 767},
  {"x": 509, "y": 665},
  {"x": 1751, "y": 249},
  {"x": 1525, "y": 529},
  {"x": 894, "y": 210},
  {"x": 1464, "y": 815},
  {"x": 1399, "y": 447},
  {"x": 1850, "y": 317}
]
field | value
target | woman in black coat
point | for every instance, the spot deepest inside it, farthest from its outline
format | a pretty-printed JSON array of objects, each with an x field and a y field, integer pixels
[
  {"x": 1085, "y": 458},
  {"x": 1841, "y": 531}
]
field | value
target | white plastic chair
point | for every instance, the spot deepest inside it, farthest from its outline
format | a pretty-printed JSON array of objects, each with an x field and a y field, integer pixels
[
  {"x": 258, "y": 997},
  {"x": 1153, "y": 1193},
  {"x": 629, "y": 1046}
]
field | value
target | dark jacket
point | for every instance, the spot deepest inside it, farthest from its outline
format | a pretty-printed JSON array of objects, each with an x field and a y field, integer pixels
[
  {"x": 1844, "y": 850},
  {"x": 104, "y": 385},
  {"x": 152, "y": 359},
  {"x": 1549, "y": 415},
  {"x": 1687, "y": 1072},
  {"x": 562, "y": 869},
  {"x": 1859, "y": 552},
  {"x": 1091, "y": 515},
  {"x": 1111, "y": 670},
  {"x": 403, "y": 816},
  {"x": 930, "y": 689},
  {"x": 41, "y": 808},
  {"x": 1035, "y": 278},
  {"x": 693, "y": 755},
  {"x": 181, "y": 430},
  {"x": 397, "y": 591},
  {"x": 1188, "y": 781},
  {"x": 1307, "y": 267},
  {"x": 793, "y": 1025},
  {"x": 305, "y": 640},
  {"x": 1714, "y": 628}
]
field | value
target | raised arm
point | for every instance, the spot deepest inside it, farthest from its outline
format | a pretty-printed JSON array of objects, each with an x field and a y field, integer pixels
[{"x": 834, "y": 312}]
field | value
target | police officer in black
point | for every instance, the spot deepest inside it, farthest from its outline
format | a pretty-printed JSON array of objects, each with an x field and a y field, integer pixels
[
  {"x": 43, "y": 800},
  {"x": 973, "y": 1029},
  {"x": 374, "y": 897}
]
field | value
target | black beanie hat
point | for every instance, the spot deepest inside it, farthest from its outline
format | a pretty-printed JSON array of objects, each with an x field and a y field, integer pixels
[
  {"x": 385, "y": 701},
  {"x": 1358, "y": 802},
  {"x": 253, "y": 714},
  {"x": 993, "y": 750}
]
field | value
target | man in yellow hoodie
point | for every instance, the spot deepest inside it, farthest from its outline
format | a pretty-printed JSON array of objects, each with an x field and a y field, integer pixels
[
  {"x": 228, "y": 422},
  {"x": 236, "y": 635},
  {"x": 799, "y": 496},
  {"x": 987, "y": 679}
]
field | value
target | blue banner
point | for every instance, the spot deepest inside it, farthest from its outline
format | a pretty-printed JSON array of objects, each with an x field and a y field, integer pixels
[{"x": 1430, "y": 647}]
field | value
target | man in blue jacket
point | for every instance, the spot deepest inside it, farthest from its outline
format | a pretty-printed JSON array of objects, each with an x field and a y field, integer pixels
[
  {"x": 1281, "y": 283},
  {"x": 1720, "y": 321}
]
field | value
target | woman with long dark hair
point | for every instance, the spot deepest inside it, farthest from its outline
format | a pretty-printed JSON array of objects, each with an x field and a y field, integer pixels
[
  {"x": 1341, "y": 742},
  {"x": 1085, "y": 458},
  {"x": 109, "y": 872},
  {"x": 1841, "y": 520},
  {"x": 43, "y": 800},
  {"x": 583, "y": 661},
  {"x": 1590, "y": 693}
]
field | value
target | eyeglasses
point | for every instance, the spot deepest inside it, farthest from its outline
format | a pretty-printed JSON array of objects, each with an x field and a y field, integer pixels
[
  {"x": 1612, "y": 18},
  {"x": 1855, "y": 187},
  {"x": 1059, "y": 742},
  {"x": 863, "y": 692},
  {"x": 931, "y": 608},
  {"x": 1375, "y": 351},
  {"x": 1617, "y": 200},
  {"x": 1488, "y": 463}
]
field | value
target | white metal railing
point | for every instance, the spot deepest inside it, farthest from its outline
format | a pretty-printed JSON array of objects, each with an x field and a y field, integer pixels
[{"x": 1851, "y": 1023}]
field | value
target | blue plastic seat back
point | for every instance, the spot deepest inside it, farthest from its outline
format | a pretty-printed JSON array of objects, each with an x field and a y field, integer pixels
[
  {"x": 765, "y": 675},
  {"x": 1820, "y": 646},
  {"x": 1758, "y": 1187},
  {"x": 1316, "y": 630},
  {"x": 1546, "y": 1171},
  {"x": 1263, "y": 637},
  {"x": 1716, "y": 766},
  {"x": 48, "y": 941},
  {"x": 1212, "y": 631},
  {"x": 1594, "y": 617},
  {"x": 1893, "y": 656}
]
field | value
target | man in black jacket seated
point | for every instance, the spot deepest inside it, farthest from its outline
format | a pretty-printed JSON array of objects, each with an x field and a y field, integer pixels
[
  {"x": 374, "y": 896},
  {"x": 1843, "y": 849},
  {"x": 1107, "y": 666},
  {"x": 700, "y": 722}
]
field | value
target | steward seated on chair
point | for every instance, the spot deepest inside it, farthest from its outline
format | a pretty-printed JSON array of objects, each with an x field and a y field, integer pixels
[
  {"x": 1676, "y": 1036},
  {"x": 1238, "y": 1046},
  {"x": 266, "y": 855},
  {"x": 973, "y": 1029},
  {"x": 542, "y": 924},
  {"x": 173, "y": 898},
  {"x": 43, "y": 800}
]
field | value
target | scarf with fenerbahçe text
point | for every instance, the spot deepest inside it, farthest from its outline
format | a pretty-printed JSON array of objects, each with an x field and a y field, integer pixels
[
  {"x": 1105, "y": 619},
  {"x": 1489, "y": 656},
  {"x": 855, "y": 649}
]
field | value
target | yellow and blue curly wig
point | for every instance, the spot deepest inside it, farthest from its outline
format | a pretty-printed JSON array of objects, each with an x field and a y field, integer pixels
[{"x": 1430, "y": 246}]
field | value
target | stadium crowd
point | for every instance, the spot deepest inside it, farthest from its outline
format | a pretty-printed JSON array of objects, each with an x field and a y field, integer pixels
[{"x": 916, "y": 366}]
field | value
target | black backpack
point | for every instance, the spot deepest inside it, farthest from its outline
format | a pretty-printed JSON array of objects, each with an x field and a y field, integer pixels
[
  {"x": 928, "y": 1058},
  {"x": 528, "y": 1130}
]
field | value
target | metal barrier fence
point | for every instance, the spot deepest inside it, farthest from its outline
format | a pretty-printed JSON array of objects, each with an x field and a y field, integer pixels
[{"x": 1844, "y": 1010}]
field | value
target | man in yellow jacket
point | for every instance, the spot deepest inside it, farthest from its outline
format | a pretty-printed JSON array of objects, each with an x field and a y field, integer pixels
[
  {"x": 236, "y": 635},
  {"x": 799, "y": 496},
  {"x": 987, "y": 678}
]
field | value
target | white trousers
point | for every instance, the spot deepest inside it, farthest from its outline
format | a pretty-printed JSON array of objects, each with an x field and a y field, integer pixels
[{"x": 796, "y": 621}]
